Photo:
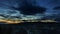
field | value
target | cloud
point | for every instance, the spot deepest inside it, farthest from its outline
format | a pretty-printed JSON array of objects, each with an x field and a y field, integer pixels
[
  {"x": 31, "y": 10},
  {"x": 5, "y": 7}
]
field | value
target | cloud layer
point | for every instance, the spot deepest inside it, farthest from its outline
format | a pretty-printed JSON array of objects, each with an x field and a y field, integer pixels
[{"x": 7, "y": 5}]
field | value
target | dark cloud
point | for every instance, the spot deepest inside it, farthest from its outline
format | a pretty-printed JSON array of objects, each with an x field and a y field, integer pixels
[
  {"x": 56, "y": 8},
  {"x": 30, "y": 10},
  {"x": 27, "y": 9}
]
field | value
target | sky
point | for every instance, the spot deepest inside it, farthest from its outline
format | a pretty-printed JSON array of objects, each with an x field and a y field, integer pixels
[{"x": 5, "y": 7}]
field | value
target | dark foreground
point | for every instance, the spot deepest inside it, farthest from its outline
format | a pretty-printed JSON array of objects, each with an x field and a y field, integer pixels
[{"x": 30, "y": 28}]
